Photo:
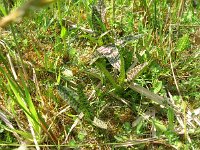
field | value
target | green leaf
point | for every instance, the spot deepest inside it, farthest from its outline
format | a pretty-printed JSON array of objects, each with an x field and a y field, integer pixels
[
  {"x": 107, "y": 74},
  {"x": 32, "y": 110},
  {"x": 17, "y": 94},
  {"x": 134, "y": 72},
  {"x": 72, "y": 52},
  {"x": 127, "y": 126},
  {"x": 58, "y": 77},
  {"x": 157, "y": 86},
  {"x": 72, "y": 143},
  {"x": 24, "y": 134},
  {"x": 77, "y": 100},
  {"x": 159, "y": 125},
  {"x": 89, "y": 37},
  {"x": 63, "y": 32},
  {"x": 170, "y": 116},
  {"x": 2, "y": 9},
  {"x": 81, "y": 136},
  {"x": 139, "y": 127},
  {"x": 122, "y": 74},
  {"x": 70, "y": 96},
  {"x": 183, "y": 43}
]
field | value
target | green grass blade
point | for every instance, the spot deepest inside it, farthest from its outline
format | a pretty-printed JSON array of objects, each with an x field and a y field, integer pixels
[
  {"x": 32, "y": 110},
  {"x": 122, "y": 74},
  {"x": 107, "y": 74},
  {"x": 170, "y": 116}
]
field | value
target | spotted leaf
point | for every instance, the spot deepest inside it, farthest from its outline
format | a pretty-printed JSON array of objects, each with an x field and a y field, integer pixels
[
  {"x": 134, "y": 72},
  {"x": 111, "y": 52}
]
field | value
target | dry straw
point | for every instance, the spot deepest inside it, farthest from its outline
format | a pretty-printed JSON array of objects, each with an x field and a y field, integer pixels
[{"x": 18, "y": 14}]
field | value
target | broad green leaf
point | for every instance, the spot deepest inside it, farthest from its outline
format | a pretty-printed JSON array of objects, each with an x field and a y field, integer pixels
[
  {"x": 183, "y": 43},
  {"x": 157, "y": 86},
  {"x": 2, "y": 10},
  {"x": 139, "y": 127},
  {"x": 159, "y": 125},
  {"x": 63, "y": 32}
]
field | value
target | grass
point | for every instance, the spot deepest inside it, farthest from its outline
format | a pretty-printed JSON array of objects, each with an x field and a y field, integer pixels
[{"x": 72, "y": 77}]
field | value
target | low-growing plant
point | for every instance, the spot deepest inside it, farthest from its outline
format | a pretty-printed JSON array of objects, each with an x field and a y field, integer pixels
[{"x": 99, "y": 74}]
